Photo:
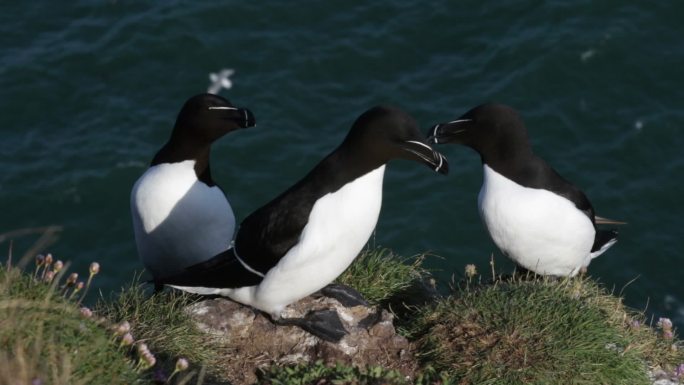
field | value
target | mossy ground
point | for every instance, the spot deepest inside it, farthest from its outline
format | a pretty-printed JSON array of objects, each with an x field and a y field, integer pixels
[
  {"x": 517, "y": 330},
  {"x": 510, "y": 331},
  {"x": 320, "y": 374},
  {"x": 540, "y": 331}
]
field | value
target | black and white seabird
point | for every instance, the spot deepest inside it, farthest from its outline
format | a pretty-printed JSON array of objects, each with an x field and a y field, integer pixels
[
  {"x": 541, "y": 221},
  {"x": 180, "y": 216},
  {"x": 306, "y": 237}
]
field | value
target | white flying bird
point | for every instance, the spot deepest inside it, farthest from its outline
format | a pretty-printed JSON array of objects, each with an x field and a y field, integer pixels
[{"x": 220, "y": 80}]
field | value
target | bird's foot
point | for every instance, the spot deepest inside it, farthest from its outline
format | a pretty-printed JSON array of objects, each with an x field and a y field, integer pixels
[
  {"x": 324, "y": 324},
  {"x": 345, "y": 295}
]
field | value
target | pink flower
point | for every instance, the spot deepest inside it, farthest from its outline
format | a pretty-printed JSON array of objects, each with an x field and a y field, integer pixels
[
  {"x": 58, "y": 266},
  {"x": 679, "y": 372},
  {"x": 73, "y": 277},
  {"x": 181, "y": 364},
  {"x": 142, "y": 348},
  {"x": 87, "y": 313},
  {"x": 127, "y": 340},
  {"x": 470, "y": 270},
  {"x": 123, "y": 328},
  {"x": 664, "y": 323},
  {"x": 94, "y": 268},
  {"x": 148, "y": 359}
]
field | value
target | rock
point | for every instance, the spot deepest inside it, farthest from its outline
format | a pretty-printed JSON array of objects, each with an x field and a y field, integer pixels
[
  {"x": 252, "y": 341},
  {"x": 658, "y": 376}
]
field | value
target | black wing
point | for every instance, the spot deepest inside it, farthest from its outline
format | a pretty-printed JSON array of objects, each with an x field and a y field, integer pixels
[
  {"x": 538, "y": 174},
  {"x": 222, "y": 271},
  {"x": 270, "y": 232}
]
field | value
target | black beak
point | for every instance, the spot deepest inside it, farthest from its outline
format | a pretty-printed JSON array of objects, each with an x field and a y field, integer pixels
[
  {"x": 425, "y": 154},
  {"x": 245, "y": 118},
  {"x": 448, "y": 132}
]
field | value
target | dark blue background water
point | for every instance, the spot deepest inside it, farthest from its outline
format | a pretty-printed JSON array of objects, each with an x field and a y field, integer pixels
[{"x": 89, "y": 91}]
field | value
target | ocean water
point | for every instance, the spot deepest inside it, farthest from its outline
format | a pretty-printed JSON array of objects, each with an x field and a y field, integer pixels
[{"x": 90, "y": 90}]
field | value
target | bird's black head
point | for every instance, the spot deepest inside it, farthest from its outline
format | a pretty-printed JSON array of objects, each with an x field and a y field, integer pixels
[
  {"x": 493, "y": 130},
  {"x": 383, "y": 133},
  {"x": 207, "y": 117}
]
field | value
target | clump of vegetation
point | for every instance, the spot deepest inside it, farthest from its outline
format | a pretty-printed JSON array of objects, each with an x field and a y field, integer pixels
[
  {"x": 161, "y": 321},
  {"x": 399, "y": 284},
  {"x": 540, "y": 331},
  {"x": 503, "y": 331},
  {"x": 322, "y": 374},
  {"x": 46, "y": 337}
]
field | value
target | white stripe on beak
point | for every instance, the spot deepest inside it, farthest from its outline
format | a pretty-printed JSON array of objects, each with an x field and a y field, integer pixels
[
  {"x": 421, "y": 144},
  {"x": 441, "y": 159},
  {"x": 222, "y": 108},
  {"x": 459, "y": 121}
]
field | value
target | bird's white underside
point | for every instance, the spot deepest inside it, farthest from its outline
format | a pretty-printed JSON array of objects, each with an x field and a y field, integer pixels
[
  {"x": 178, "y": 221},
  {"x": 538, "y": 229},
  {"x": 339, "y": 226}
]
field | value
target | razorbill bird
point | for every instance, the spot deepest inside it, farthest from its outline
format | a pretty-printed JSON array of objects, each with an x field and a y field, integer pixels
[
  {"x": 538, "y": 219},
  {"x": 307, "y": 236},
  {"x": 180, "y": 216}
]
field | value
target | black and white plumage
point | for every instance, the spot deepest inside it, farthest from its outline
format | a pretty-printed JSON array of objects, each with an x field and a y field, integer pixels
[
  {"x": 538, "y": 219},
  {"x": 302, "y": 240},
  {"x": 180, "y": 216}
]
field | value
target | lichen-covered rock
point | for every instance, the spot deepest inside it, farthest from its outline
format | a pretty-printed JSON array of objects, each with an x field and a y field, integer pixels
[{"x": 253, "y": 341}]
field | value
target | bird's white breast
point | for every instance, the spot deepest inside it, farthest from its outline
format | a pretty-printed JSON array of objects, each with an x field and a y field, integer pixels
[
  {"x": 538, "y": 229},
  {"x": 340, "y": 224},
  {"x": 178, "y": 220}
]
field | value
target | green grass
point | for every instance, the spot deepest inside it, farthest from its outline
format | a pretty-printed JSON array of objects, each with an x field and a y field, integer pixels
[
  {"x": 539, "y": 331},
  {"x": 514, "y": 331},
  {"x": 160, "y": 321},
  {"x": 393, "y": 282},
  {"x": 320, "y": 374},
  {"x": 44, "y": 336}
]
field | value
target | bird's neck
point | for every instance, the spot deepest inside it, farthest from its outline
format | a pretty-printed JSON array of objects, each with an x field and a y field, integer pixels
[
  {"x": 343, "y": 166},
  {"x": 355, "y": 162},
  {"x": 179, "y": 151},
  {"x": 506, "y": 149}
]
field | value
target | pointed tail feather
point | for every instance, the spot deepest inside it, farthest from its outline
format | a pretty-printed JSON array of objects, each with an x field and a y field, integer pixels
[{"x": 603, "y": 240}]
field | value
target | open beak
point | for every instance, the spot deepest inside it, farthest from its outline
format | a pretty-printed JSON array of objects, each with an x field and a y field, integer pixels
[
  {"x": 447, "y": 132},
  {"x": 425, "y": 154}
]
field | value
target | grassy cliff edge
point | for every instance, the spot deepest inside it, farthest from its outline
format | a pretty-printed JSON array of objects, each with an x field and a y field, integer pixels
[{"x": 513, "y": 330}]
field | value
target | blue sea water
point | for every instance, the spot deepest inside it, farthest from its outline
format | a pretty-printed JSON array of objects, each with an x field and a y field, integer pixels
[{"x": 90, "y": 90}]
